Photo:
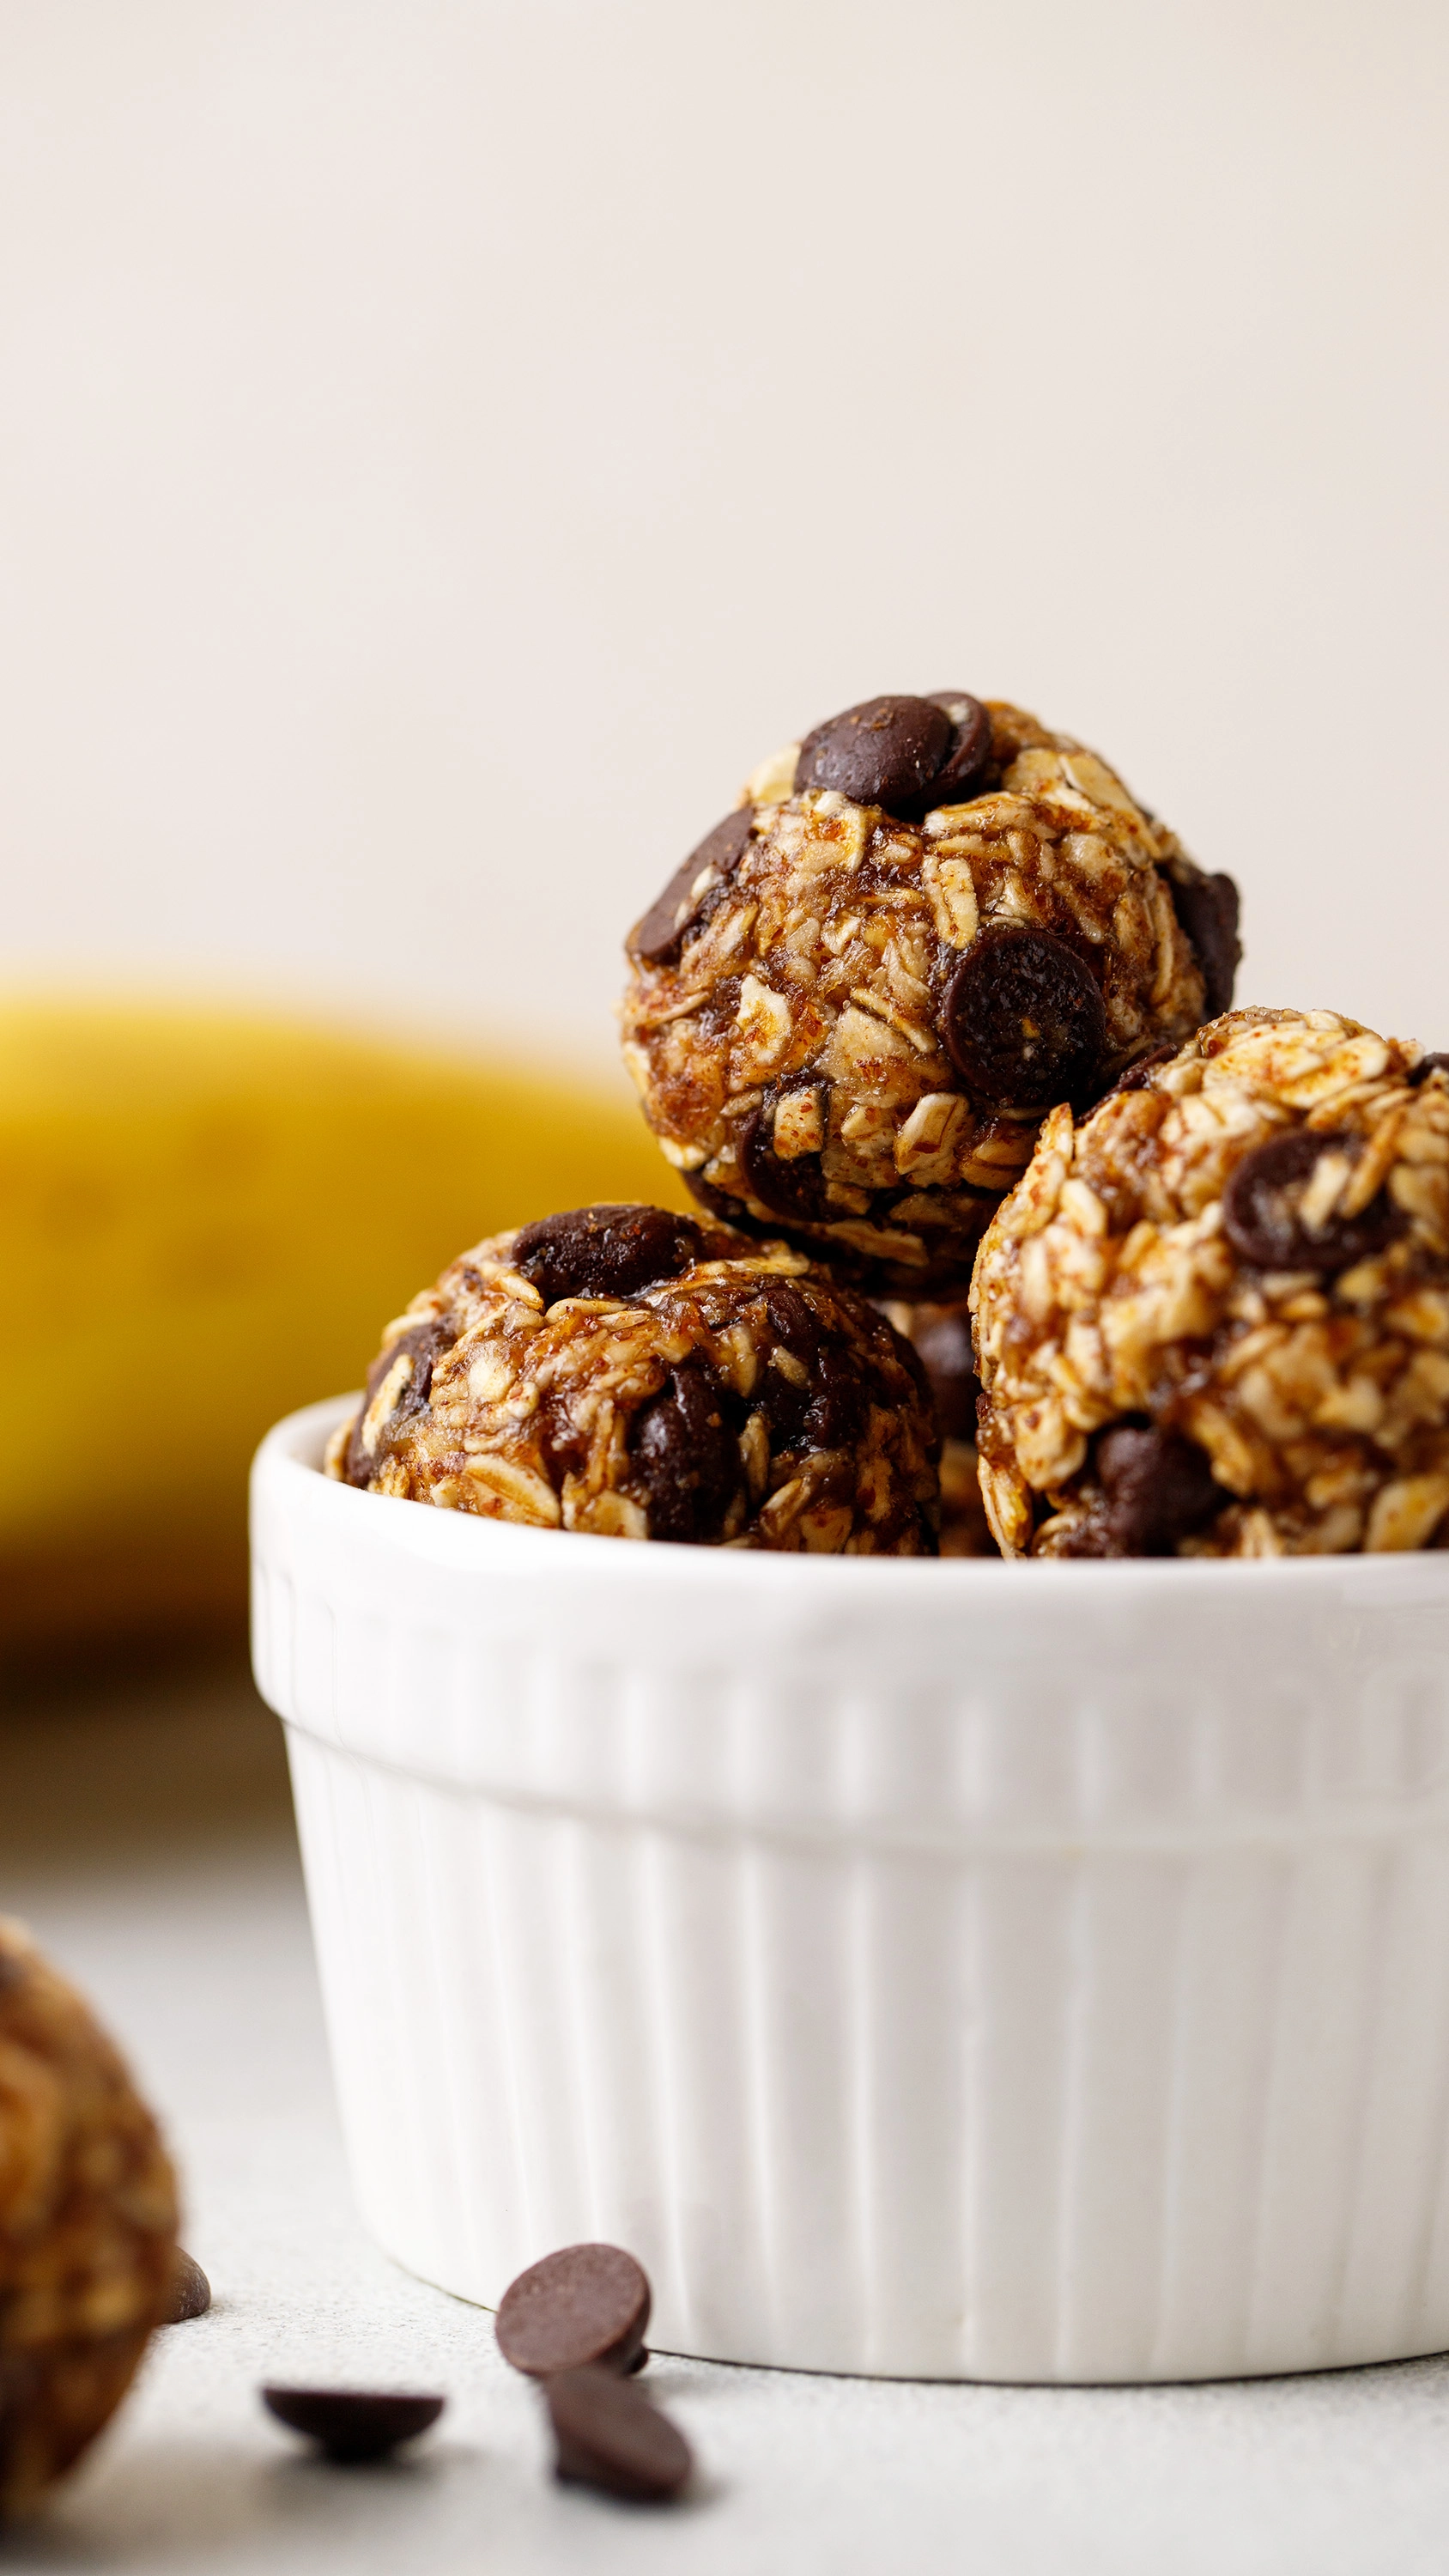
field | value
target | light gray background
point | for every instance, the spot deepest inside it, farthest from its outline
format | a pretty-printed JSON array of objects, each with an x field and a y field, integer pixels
[
  {"x": 445, "y": 443},
  {"x": 146, "y": 1835}
]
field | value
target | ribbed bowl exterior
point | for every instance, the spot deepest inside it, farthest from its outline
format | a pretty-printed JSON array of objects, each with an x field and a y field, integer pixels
[{"x": 952, "y": 1971}]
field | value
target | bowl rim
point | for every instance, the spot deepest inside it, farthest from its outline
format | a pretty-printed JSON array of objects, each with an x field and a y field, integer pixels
[{"x": 289, "y": 1458}]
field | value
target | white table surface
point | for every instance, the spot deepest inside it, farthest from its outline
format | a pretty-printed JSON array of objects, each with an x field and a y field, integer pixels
[{"x": 145, "y": 1834}]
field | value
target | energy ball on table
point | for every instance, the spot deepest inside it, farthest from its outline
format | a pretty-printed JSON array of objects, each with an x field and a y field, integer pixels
[
  {"x": 1213, "y": 1318},
  {"x": 941, "y": 1338},
  {"x": 642, "y": 1375},
  {"x": 923, "y": 926},
  {"x": 87, "y": 2224}
]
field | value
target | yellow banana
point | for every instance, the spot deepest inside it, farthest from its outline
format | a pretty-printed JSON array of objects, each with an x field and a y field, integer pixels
[{"x": 205, "y": 1219}]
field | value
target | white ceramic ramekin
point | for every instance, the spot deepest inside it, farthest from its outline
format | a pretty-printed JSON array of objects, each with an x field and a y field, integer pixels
[{"x": 1007, "y": 1972}]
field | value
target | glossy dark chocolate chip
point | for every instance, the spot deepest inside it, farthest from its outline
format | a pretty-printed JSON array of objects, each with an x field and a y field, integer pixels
[
  {"x": 605, "y": 1251},
  {"x": 1023, "y": 1021},
  {"x": 1207, "y": 911},
  {"x": 608, "y": 2434},
  {"x": 1262, "y": 1209},
  {"x": 1159, "y": 1489},
  {"x": 657, "y": 939},
  {"x": 790, "y": 1187},
  {"x": 190, "y": 2290},
  {"x": 1426, "y": 1065},
  {"x": 353, "y": 2424},
  {"x": 968, "y": 753},
  {"x": 943, "y": 1345},
  {"x": 885, "y": 752},
  {"x": 424, "y": 1344},
  {"x": 685, "y": 1455},
  {"x": 586, "y": 2304}
]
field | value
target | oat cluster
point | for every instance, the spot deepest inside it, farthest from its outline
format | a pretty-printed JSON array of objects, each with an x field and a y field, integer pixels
[
  {"x": 1213, "y": 1319},
  {"x": 87, "y": 2224},
  {"x": 638, "y": 1375},
  {"x": 813, "y": 1021}
]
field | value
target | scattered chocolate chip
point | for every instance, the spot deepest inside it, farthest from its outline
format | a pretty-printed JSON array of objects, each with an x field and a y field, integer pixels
[
  {"x": 968, "y": 754},
  {"x": 1023, "y": 1021},
  {"x": 608, "y": 2434},
  {"x": 1263, "y": 1200},
  {"x": 1138, "y": 1075},
  {"x": 885, "y": 752},
  {"x": 657, "y": 939},
  {"x": 792, "y": 1189},
  {"x": 684, "y": 1447},
  {"x": 425, "y": 1344},
  {"x": 1207, "y": 911},
  {"x": 352, "y": 2424},
  {"x": 943, "y": 1345},
  {"x": 604, "y": 1251},
  {"x": 1426, "y": 1065},
  {"x": 190, "y": 2290},
  {"x": 584, "y": 2305},
  {"x": 1159, "y": 1488}
]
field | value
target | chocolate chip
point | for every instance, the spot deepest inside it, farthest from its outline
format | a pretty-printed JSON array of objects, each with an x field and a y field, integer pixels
[
  {"x": 1159, "y": 1488},
  {"x": 190, "y": 2290},
  {"x": 352, "y": 2424},
  {"x": 586, "y": 2304},
  {"x": 425, "y": 1344},
  {"x": 1139, "y": 1075},
  {"x": 793, "y": 1189},
  {"x": 1426, "y": 1065},
  {"x": 968, "y": 754},
  {"x": 658, "y": 938},
  {"x": 605, "y": 1251},
  {"x": 885, "y": 752},
  {"x": 793, "y": 1320},
  {"x": 685, "y": 1454},
  {"x": 1262, "y": 1209},
  {"x": 1023, "y": 1021},
  {"x": 1207, "y": 912},
  {"x": 608, "y": 2434},
  {"x": 943, "y": 1344}
]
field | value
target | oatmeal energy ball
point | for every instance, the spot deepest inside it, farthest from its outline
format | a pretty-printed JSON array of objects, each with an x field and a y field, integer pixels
[
  {"x": 1213, "y": 1318},
  {"x": 87, "y": 2224},
  {"x": 922, "y": 927},
  {"x": 643, "y": 1375}
]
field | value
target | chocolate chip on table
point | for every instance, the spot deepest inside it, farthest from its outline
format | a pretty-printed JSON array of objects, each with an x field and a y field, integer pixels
[
  {"x": 190, "y": 2290},
  {"x": 1262, "y": 1208},
  {"x": 1207, "y": 912},
  {"x": 885, "y": 752},
  {"x": 657, "y": 939},
  {"x": 608, "y": 2434},
  {"x": 604, "y": 1251},
  {"x": 1023, "y": 1020},
  {"x": 585, "y": 2305},
  {"x": 351, "y": 2425}
]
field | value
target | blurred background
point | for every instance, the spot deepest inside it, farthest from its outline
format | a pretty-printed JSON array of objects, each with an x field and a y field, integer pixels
[{"x": 445, "y": 446}]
